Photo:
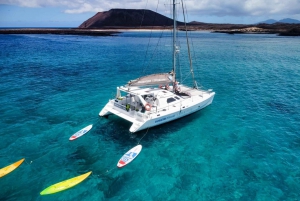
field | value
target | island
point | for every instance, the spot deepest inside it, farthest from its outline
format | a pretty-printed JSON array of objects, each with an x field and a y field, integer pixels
[{"x": 114, "y": 21}]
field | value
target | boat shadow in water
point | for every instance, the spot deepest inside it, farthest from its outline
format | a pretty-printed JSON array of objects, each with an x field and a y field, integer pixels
[
  {"x": 112, "y": 185},
  {"x": 115, "y": 130}
]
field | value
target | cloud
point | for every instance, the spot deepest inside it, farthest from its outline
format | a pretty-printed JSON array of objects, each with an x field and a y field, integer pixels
[
  {"x": 245, "y": 8},
  {"x": 85, "y": 7},
  {"x": 199, "y": 7}
]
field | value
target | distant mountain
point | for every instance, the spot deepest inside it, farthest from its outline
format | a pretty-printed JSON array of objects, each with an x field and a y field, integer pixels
[
  {"x": 286, "y": 20},
  {"x": 290, "y": 21},
  {"x": 127, "y": 18},
  {"x": 196, "y": 23},
  {"x": 269, "y": 21}
]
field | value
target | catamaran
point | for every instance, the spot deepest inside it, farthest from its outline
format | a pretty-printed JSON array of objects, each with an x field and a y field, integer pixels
[{"x": 156, "y": 99}]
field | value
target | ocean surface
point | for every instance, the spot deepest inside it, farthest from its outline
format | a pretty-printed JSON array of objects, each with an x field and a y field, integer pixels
[{"x": 244, "y": 146}]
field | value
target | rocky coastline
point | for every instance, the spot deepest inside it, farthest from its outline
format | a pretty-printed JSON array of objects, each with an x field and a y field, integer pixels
[
  {"x": 86, "y": 32},
  {"x": 291, "y": 30}
]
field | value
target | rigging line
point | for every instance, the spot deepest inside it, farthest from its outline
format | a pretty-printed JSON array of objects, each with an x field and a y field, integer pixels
[
  {"x": 143, "y": 71},
  {"x": 188, "y": 45},
  {"x": 180, "y": 72},
  {"x": 143, "y": 14},
  {"x": 190, "y": 33},
  {"x": 39, "y": 157},
  {"x": 107, "y": 172},
  {"x": 147, "y": 46},
  {"x": 163, "y": 44},
  {"x": 195, "y": 57},
  {"x": 154, "y": 52},
  {"x": 192, "y": 41},
  {"x": 186, "y": 76},
  {"x": 179, "y": 66},
  {"x": 143, "y": 136}
]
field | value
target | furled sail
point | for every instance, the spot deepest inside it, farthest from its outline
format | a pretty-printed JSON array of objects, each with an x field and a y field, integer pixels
[{"x": 154, "y": 79}]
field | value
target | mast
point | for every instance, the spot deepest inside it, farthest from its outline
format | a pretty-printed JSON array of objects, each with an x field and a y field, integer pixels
[{"x": 174, "y": 41}]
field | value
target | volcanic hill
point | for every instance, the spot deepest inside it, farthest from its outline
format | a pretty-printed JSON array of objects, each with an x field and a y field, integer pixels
[{"x": 127, "y": 18}]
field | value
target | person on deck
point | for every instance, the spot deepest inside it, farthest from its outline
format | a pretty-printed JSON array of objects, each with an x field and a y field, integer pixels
[
  {"x": 176, "y": 87},
  {"x": 167, "y": 87}
]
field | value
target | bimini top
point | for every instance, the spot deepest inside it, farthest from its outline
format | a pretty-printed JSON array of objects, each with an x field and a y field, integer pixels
[{"x": 154, "y": 79}]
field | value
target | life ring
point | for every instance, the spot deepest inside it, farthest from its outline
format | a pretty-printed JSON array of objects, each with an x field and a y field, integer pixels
[{"x": 148, "y": 106}]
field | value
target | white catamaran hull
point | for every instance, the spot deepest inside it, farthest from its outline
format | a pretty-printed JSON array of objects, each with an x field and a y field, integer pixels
[{"x": 141, "y": 121}]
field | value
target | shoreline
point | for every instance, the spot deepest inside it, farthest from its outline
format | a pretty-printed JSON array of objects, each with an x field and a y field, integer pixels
[
  {"x": 112, "y": 31},
  {"x": 59, "y": 31}
]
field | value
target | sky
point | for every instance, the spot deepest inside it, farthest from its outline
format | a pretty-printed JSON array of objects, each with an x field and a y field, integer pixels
[{"x": 71, "y": 13}]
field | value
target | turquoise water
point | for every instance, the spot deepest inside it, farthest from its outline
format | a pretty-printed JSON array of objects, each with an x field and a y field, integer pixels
[{"x": 245, "y": 146}]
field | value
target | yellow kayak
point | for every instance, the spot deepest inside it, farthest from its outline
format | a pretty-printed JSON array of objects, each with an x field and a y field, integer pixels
[
  {"x": 4, "y": 171},
  {"x": 65, "y": 184}
]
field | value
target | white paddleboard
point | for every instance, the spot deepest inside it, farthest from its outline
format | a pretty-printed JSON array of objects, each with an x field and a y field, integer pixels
[
  {"x": 81, "y": 132},
  {"x": 129, "y": 156}
]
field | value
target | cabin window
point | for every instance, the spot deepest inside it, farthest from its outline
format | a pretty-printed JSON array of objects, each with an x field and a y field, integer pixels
[
  {"x": 177, "y": 97},
  {"x": 170, "y": 100}
]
